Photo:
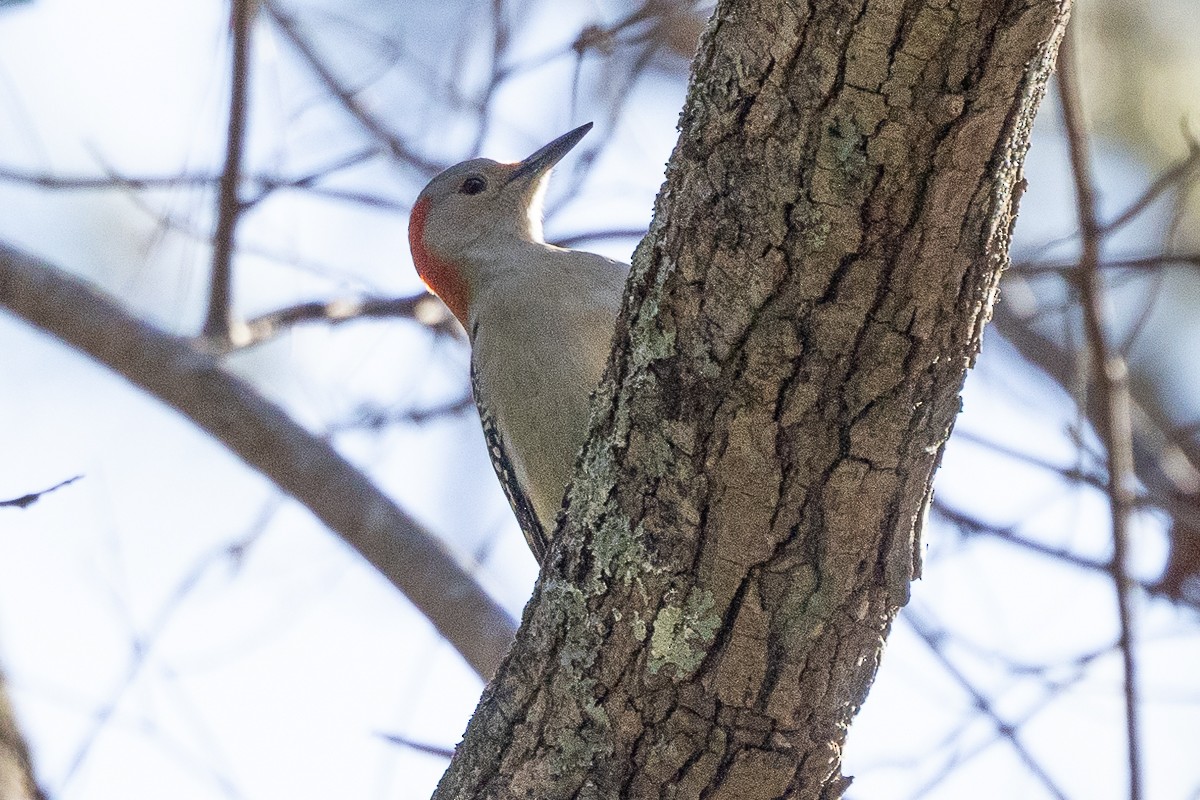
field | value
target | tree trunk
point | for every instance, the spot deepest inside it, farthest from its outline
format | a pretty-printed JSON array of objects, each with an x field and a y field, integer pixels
[{"x": 746, "y": 516}]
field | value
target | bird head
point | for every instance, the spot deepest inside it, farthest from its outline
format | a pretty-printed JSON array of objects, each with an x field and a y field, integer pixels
[{"x": 476, "y": 207}]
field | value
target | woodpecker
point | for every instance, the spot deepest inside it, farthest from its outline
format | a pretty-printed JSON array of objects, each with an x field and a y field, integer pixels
[{"x": 540, "y": 319}]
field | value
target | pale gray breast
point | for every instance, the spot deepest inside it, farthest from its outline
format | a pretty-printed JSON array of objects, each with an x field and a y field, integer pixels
[{"x": 537, "y": 352}]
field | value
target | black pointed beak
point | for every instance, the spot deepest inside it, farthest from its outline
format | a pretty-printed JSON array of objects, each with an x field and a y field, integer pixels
[{"x": 541, "y": 161}]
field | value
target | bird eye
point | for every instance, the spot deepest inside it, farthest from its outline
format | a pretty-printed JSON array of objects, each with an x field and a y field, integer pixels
[{"x": 473, "y": 185}]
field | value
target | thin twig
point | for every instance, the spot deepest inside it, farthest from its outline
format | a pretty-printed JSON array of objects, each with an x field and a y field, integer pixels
[
  {"x": 229, "y": 206},
  {"x": 983, "y": 704},
  {"x": 1175, "y": 174},
  {"x": 1073, "y": 474},
  {"x": 44, "y": 180},
  {"x": 575, "y": 239},
  {"x": 264, "y": 183},
  {"x": 1111, "y": 381},
  {"x": 26, "y": 500},
  {"x": 187, "y": 227},
  {"x": 1150, "y": 291},
  {"x": 500, "y": 39},
  {"x": 146, "y": 640},
  {"x": 971, "y": 526},
  {"x": 420, "y": 747},
  {"x": 1148, "y": 263},
  {"x": 393, "y": 145},
  {"x": 369, "y": 418},
  {"x": 1152, "y": 423},
  {"x": 312, "y": 177},
  {"x": 423, "y": 307}
]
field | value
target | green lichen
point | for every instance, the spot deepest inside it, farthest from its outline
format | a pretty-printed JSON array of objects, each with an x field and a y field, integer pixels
[
  {"x": 650, "y": 339},
  {"x": 596, "y": 714},
  {"x": 589, "y": 491},
  {"x": 579, "y": 732},
  {"x": 617, "y": 551},
  {"x": 682, "y": 635},
  {"x": 567, "y": 606},
  {"x": 805, "y": 607},
  {"x": 656, "y": 453},
  {"x": 639, "y": 627},
  {"x": 578, "y": 748}
]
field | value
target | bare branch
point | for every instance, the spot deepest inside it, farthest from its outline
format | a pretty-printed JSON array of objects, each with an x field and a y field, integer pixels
[
  {"x": 1147, "y": 263},
  {"x": 1004, "y": 729},
  {"x": 424, "y": 308},
  {"x": 265, "y": 184},
  {"x": 576, "y": 239},
  {"x": 26, "y": 500},
  {"x": 501, "y": 35},
  {"x": 17, "y": 780},
  {"x": 369, "y": 418},
  {"x": 229, "y": 207},
  {"x": 263, "y": 436},
  {"x": 1174, "y": 176},
  {"x": 145, "y": 639},
  {"x": 420, "y": 747},
  {"x": 1111, "y": 381},
  {"x": 1171, "y": 178},
  {"x": 287, "y": 26},
  {"x": 185, "y": 226},
  {"x": 970, "y": 526}
]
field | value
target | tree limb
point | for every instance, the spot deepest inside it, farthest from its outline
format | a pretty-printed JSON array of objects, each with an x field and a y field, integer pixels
[
  {"x": 262, "y": 435},
  {"x": 17, "y": 780}
]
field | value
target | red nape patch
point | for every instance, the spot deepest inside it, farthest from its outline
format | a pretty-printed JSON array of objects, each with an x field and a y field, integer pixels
[{"x": 443, "y": 278}]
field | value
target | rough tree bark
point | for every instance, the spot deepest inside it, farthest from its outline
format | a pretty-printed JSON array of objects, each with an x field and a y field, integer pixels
[{"x": 746, "y": 516}]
